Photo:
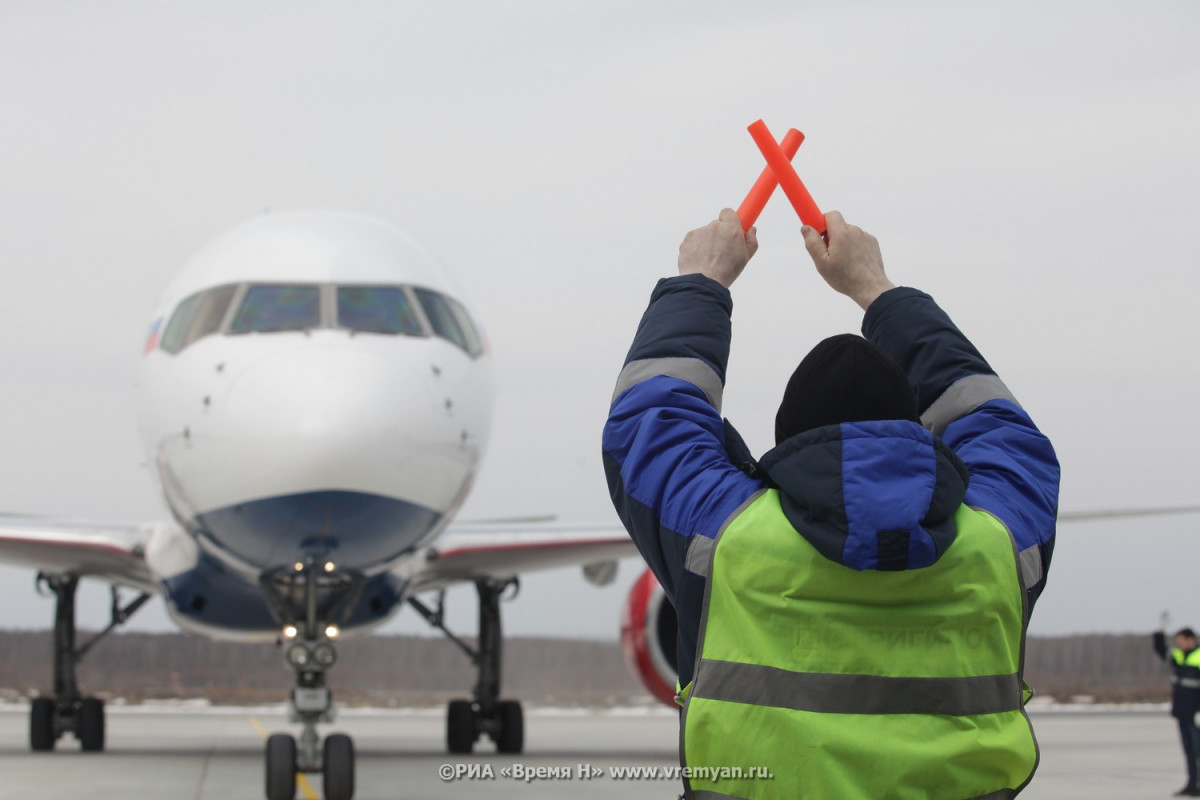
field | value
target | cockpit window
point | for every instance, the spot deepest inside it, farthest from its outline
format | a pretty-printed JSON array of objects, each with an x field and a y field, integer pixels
[
  {"x": 267, "y": 309},
  {"x": 210, "y": 313},
  {"x": 445, "y": 322},
  {"x": 197, "y": 316},
  {"x": 377, "y": 309},
  {"x": 181, "y": 320},
  {"x": 474, "y": 344}
]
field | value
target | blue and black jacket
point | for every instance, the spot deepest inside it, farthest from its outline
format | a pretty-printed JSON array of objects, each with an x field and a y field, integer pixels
[{"x": 869, "y": 495}]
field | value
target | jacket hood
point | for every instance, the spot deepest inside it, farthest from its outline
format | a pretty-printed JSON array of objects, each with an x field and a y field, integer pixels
[{"x": 870, "y": 495}]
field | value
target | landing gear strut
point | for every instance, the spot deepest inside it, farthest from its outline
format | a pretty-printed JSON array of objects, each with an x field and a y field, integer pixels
[
  {"x": 67, "y": 711},
  {"x": 485, "y": 712},
  {"x": 310, "y": 651}
]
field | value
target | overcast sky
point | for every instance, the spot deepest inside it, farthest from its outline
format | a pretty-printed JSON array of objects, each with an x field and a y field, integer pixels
[{"x": 1033, "y": 165}]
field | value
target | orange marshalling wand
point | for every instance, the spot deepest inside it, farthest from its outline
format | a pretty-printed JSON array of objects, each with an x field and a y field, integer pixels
[
  {"x": 764, "y": 187},
  {"x": 793, "y": 187}
]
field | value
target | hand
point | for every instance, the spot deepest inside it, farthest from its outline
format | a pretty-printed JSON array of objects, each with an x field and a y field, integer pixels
[
  {"x": 851, "y": 262},
  {"x": 719, "y": 250}
]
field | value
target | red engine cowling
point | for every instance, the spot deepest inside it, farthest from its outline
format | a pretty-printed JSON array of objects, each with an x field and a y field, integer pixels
[{"x": 648, "y": 629}]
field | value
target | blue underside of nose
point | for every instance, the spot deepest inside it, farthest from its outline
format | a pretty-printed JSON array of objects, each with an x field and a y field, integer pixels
[
  {"x": 354, "y": 530},
  {"x": 213, "y": 596}
]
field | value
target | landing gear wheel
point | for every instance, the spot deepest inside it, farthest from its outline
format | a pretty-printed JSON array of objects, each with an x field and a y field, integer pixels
[
  {"x": 339, "y": 767},
  {"x": 512, "y": 727},
  {"x": 460, "y": 727},
  {"x": 91, "y": 725},
  {"x": 41, "y": 724},
  {"x": 281, "y": 767}
]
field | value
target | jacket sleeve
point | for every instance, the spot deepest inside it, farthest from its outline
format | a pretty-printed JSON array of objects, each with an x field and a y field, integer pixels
[
  {"x": 669, "y": 476},
  {"x": 1160, "y": 646},
  {"x": 1014, "y": 470}
]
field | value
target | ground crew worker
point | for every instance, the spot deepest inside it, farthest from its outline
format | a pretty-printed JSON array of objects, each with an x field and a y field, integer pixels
[
  {"x": 1185, "y": 697},
  {"x": 852, "y": 606}
]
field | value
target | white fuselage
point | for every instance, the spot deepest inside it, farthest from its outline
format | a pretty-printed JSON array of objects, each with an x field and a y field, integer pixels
[{"x": 313, "y": 388}]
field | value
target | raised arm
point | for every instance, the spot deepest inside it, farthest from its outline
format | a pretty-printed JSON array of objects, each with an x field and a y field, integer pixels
[
  {"x": 1014, "y": 470},
  {"x": 664, "y": 443},
  {"x": 1160, "y": 646}
]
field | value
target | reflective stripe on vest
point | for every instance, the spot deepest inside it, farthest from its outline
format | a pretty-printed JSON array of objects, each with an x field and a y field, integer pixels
[
  {"x": 857, "y": 694},
  {"x": 859, "y": 684},
  {"x": 1192, "y": 659}
]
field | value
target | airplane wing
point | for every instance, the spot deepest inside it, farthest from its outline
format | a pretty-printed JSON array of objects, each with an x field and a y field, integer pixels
[
  {"x": 110, "y": 552},
  {"x": 470, "y": 551},
  {"x": 1119, "y": 513},
  {"x": 115, "y": 553},
  {"x": 504, "y": 549}
]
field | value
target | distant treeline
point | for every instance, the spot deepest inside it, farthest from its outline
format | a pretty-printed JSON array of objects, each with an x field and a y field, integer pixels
[
  {"x": 375, "y": 670},
  {"x": 409, "y": 670},
  {"x": 1110, "y": 666}
]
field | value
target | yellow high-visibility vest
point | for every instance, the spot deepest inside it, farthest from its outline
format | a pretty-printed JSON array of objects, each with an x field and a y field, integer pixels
[{"x": 858, "y": 685}]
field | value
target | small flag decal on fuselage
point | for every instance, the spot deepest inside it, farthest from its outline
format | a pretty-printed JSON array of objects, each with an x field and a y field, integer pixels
[{"x": 152, "y": 336}]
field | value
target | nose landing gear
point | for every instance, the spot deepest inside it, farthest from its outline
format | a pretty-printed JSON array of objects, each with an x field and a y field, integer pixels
[
  {"x": 334, "y": 758},
  {"x": 310, "y": 650}
]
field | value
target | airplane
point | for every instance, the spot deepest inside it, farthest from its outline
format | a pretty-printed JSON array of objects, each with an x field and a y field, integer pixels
[{"x": 315, "y": 397}]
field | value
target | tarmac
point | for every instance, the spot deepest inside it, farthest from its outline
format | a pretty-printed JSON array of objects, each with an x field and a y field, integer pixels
[{"x": 198, "y": 753}]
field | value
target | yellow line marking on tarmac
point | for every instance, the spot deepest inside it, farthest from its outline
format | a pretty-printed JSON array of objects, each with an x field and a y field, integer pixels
[{"x": 306, "y": 788}]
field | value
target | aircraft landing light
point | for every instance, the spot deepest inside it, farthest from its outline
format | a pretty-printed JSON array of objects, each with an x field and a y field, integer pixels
[
  {"x": 325, "y": 655},
  {"x": 297, "y": 655}
]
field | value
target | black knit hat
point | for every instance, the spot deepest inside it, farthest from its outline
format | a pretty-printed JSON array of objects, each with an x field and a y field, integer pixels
[{"x": 844, "y": 379}]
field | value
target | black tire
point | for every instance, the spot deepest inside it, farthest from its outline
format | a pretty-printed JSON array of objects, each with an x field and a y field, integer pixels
[
  {"x": 512, "y": 727},
  {"x": 41, "y": 724},
  {"x": 281, "y": 767},
  {"x": 339, "y": 767},
  {"x": 90, "y": 730},
  {"x": 460, "y": 727}
]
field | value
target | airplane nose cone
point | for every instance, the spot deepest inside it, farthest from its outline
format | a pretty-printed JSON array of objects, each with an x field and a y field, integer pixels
[
  {"x": 335, "y": 396},
  {"x": 337, "y": 443},
  {"x": 320, "y": 419}
]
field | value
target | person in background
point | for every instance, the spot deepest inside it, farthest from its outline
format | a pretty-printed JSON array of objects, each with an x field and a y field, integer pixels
[{"x": 1184, "y": 660}]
